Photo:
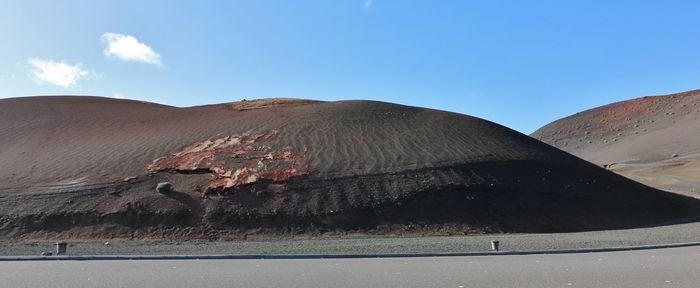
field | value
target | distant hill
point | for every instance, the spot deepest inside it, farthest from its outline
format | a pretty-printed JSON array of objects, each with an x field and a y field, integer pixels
[
  {"x": 650, "y": 139},
  {"x": 87, "y": 167}
]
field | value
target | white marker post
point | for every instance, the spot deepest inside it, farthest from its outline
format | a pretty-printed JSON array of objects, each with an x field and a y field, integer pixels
[{"x": 61, "y": 248}]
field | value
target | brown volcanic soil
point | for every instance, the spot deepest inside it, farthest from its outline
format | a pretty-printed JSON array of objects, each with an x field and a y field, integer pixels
[
  {"x": 650, "y": 139},
  {"x": 86, "y": 167}
]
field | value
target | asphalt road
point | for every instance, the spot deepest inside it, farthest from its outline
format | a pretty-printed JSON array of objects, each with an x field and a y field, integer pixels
[{"x": 671, "y": 267}]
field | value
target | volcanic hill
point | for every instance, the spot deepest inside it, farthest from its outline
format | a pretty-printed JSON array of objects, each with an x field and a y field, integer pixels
[
  {"x": 87, "y": 167},
  {"x": 652, "y": 140}
]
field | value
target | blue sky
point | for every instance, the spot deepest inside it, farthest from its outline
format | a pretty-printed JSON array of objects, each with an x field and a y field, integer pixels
[{"x": 518, "y": 63}]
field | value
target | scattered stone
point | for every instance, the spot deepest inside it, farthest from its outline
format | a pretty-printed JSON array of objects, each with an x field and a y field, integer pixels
[
  {"x": 608, "y": 166},
  {"x": 164, "y": 187}
]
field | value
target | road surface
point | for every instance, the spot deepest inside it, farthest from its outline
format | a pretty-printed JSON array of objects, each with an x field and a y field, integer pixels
[{"x": 671, "y": 267}]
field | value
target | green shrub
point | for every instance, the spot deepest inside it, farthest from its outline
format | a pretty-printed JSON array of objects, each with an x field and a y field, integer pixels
[{"x": 164, "y": 187}]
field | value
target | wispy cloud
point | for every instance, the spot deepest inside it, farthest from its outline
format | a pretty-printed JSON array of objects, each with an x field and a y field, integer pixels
[
  {"x": 128, "y": 48},
  {"x": 56, "y": 73},
  {"x": 118, "y": 96},
  {"x": 368, "y": 4}
]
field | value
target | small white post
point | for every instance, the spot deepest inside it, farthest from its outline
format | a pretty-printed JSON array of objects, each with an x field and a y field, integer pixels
[
  {"x": 61, "y": 248},
  {"x": 494, "y": 245}
]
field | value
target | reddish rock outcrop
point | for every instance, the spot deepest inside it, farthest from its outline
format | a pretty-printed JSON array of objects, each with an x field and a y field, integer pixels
[
  {"x": 237, "y": 160},
  {"x": 269, "y": 103}
]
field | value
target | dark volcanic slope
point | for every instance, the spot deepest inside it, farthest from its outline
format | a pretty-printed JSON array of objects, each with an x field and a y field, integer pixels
[
  {"x": 87, "y": 167},
  {"x": 650, "y": 139}
]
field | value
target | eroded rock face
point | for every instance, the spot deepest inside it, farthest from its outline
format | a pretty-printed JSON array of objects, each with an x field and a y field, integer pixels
[
  {"x": 269, "y": 103},
  {"x": 238, "y": 160}
]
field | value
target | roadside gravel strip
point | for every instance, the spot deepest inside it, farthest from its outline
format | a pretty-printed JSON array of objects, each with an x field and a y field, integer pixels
[
  {"x": 336, "y": 256},
  {"x": 682, "y": 234}
]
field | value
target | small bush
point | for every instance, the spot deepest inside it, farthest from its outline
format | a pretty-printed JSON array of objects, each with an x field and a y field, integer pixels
[{"x": 164, "y": 187}]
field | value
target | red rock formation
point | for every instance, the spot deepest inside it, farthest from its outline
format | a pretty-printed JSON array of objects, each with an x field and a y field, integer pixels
[{"x": 237, "y": 160}]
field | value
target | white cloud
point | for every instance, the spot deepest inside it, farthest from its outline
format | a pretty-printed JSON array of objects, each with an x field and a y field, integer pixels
[
  {"x": 118, "y": 96},
  {"x": 56, "y": 73},
  {"x": 128, "y": 48},
  {"x": 368, "y": 4}
]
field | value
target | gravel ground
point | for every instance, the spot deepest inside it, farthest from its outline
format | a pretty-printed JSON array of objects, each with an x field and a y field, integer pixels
[{"x": 680, "y": 233}]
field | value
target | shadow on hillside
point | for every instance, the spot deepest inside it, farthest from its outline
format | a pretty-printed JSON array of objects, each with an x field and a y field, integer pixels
[{"x": 185, "y": 199}]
